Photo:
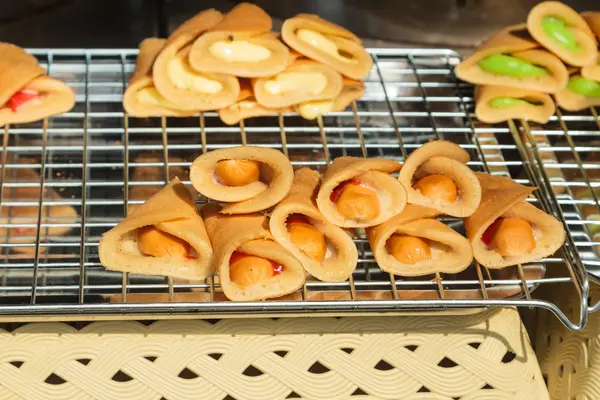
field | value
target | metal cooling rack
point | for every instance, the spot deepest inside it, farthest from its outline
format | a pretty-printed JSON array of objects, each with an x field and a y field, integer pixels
[{"x": 103, "y": 163}]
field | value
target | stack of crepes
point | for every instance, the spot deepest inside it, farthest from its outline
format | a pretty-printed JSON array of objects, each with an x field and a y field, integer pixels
[
  {"x": 235, "y": 64},
  {"x": 516, "y": 70},
  {"x": 26, "y": 94}
]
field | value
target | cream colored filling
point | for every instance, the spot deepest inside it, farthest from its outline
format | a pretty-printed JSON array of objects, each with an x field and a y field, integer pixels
[
  {"x": 150, "y": 96},
  {"x": 321, "y": 42},
  {"x": 303, "y": 82},
  {"x": 314, "y": 109},
  {"x": 239, "y": 51},
  {"x": 183, "y": 77},
  {"x": 246, "y": 104}
]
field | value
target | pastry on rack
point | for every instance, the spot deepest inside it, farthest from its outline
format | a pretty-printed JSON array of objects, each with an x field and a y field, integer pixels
[
  {"x": 164, "y": 236},
  {"x": 251, "y": 266},
  {"x": 327, "y": 43},
  {"x": 414, "y": 243},
  {"x": 242, "y": 44},
  {"x": 506, "y": 230},
  {"x": 499, "y": 103},
  {"x": 436, "y": 175},
  {"x": 579, "y": 94},
  {"x": 360, "y": 192},
  {"x": 564, "y": 32},
  {"x": 246, "y": 106},
  {"x": 303, "y": 80},
  {"x": 592, "y": 70},
  {"x": 351, "y": 91},
  {"x": 512, "y": 58},
  {"x": 175, "y": 79},
  {"x": 248, "y": 178},
  {"x": 326, "y": 251},
  {"x": 26, "y": 94}
]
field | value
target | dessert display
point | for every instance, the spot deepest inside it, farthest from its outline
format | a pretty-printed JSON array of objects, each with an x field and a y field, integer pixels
[
  {"x": 249, "y": 179},
  {"x": 436, "y": 175},
  {"x": 579, "y": 94},
  {"x": 506, "y": 230},
  {"x": 164, "y": 236},
  {"x": 26, "y": 94},
  {"x": 251, "y": 266},
  {"x": 414, "y": 243},
  {"x": 246, "y": 106},
  {"x": 495, "y": 104},
  {"x": 326, "y": 251},
  {"x": 351, "y": 91},
  {"x": 358, "y": 193}
]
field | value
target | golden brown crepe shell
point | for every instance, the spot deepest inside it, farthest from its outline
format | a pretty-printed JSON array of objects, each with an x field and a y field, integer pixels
[
  {"x": 375, "y": 172},
  {"x": 571, "y": 101},
  {"x": 490, "y": 115},
  {"x": 17, "y": 68},
  {"x": 419, "y": 221},
  {"x": 592, "y": 71},
  {"x": 276, "y": 170},
  {"x": 249, "y": 234},
  {"x": 173, "y": 211},
  {"x": 502, "y": 197},
  {"x": 583, "y": 34},
  {"x": 351, "y": 91},
  {"x": 344, "y": 39},
  {"x": 300, "y": 200},
  {"x": 245, "y": 17},
  {"x": 445, "y": 158},
  {"x": 515, "y": 41}
]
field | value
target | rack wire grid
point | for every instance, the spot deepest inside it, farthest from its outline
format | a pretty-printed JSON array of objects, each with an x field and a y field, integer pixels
[{"x": 103, "y": 163}]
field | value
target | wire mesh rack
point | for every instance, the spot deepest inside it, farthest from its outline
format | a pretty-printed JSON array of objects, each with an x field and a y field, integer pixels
[{"x": 101, "y": 163}]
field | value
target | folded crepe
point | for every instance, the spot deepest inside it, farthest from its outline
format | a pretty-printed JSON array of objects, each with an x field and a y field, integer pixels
[
  {"x": 506, "y": 230},
  {"x": 26, "y": 95},
  {"x": 414, "y": 243},
  {"x": 246, "y": 106},
  {"x": 250, "y": 178},
  {"x": 359, "y": 192},
  {"x": 326, "y": 251},
  {"x": 303, "y": 80},
  {"x": 242, "y": 44},
  {"x": 141, "y": 99},
  {"x": 177, "y": 82},
  {"x": 564, "y": 32},
  {"x": 251, "y": 266},
  {"x": 328, "y": 43},
  {"x": 164, "y": 236},
  {"x": 436, "y": 175},
  {"x": 512, "y": 58},
  {"x": 499, "y": 103},
  {"x": 580, "y": 93},
  {"x": 351, "y": 91},
  {"x": 592, "y": 70}
]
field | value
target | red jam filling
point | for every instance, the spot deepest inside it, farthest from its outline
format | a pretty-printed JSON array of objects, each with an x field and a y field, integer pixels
[
  {"x": 236, "y": 255},
  {"x": 337, "y": 192},
  {"x": 22, "y": 97},
  {"x": 489, "y": 233}
]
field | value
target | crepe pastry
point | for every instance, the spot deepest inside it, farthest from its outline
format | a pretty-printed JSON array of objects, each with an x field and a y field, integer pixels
[
  {"x": 177, "y": 82},
  {"x": 326, "y": 251},
  {"x": 498, "y": 103},
  {"x": 26, "y": 95},
  {"x": 564, "y": 32},
  {"x": 164, "y": 236},
  {"x": 506, "y": 230},
  {"x": 512, "y": 58},
  {"x": 141, "y": 99},
  {"x": 579, "y": 94},
  {"x": 242, "y": 44},
  {"x": 328, "y": 43},
  {"x": 414, "y": 243},
  {"x": 360, "y": 192},
  {"x": 303, "y": 80},
  {"x": 249, "y": 178},
  {"x": 246, "y": 106},
  {"x": 592, "y": 70},
  {"x": 351, "y": 91},
  {"x": 251, "y": 266}
]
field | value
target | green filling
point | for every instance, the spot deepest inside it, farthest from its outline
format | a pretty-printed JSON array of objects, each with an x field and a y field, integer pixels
[
  {"x": 556, "y": 29},
  {"x": 585, "y": 87},
  {"x": 507, "y": 102},
  {"x": 501, "y": 64}
]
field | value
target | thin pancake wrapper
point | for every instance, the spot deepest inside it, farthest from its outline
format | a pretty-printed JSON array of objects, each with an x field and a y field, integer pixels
[
  {"x": 343, "y": 257},
  {"x": 245, "y": 25},
  {"x": 173, "y": 211},
  {"x": 485, "y": 112},
  {"x": 177, "y": 82},
  {"x": 249, "y": 234},
  {"x": 502, "y": 197},
  {"x": 572, "y": 101},
  {"x": 574, "y": 23},
  {"x": 276, "y": 177},
  {"x": 17, "y": 68},
  {"x": 339, "y": 43},
  {"x": 246, "y": 106},
  {"x": 351, "y": 90},
  {"x": 372, "y": 172},
  {"x": 592, "y": 71},
  {"x": 453, "y": 256},
  {"x": 443, "y": 158},
  {"x": 516, "y": 42}
]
